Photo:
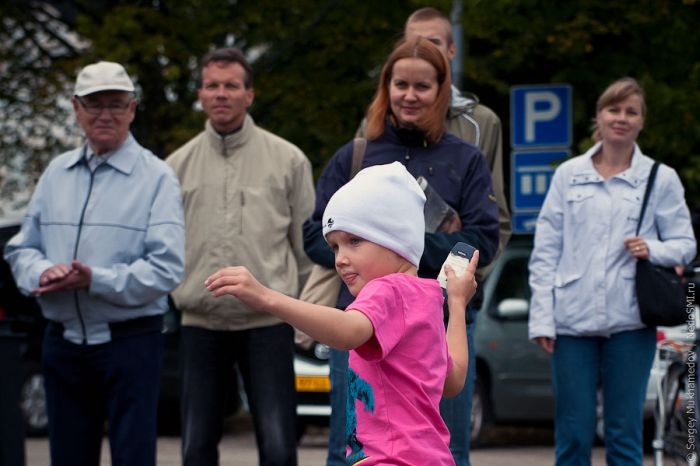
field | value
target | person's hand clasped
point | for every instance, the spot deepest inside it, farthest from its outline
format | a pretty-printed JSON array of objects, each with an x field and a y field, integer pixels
[
  {"x": 238, "y": 282},
  {"x": 464, "y": 286},
  {"x": 637, "y": 247},
  {"x": 61, "y": 277}
]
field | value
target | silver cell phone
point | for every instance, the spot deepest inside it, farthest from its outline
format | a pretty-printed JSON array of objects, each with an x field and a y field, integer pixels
[{"x": 459, "y": 259}]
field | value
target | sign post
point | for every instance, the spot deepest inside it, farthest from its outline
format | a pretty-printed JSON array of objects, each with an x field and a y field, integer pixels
[{"x": 541, "y": 135}]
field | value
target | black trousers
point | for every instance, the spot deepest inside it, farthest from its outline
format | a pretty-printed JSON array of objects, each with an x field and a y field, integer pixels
[
  {"x": 264, "y": 357},
  {"x": 87, "y": 384}
]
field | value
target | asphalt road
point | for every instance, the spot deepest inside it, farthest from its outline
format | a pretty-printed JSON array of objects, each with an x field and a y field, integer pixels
[{"x": 506, "y": 446}]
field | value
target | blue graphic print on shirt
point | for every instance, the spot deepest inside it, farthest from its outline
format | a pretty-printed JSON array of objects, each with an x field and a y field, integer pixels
[{"x": 358, "y": 389}]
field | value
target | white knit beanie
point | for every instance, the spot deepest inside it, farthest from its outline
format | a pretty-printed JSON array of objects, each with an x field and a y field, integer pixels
[{"x": 382, "y": 204}]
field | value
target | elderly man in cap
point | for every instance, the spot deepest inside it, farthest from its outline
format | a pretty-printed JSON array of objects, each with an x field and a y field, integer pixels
[{"x": 101, "y": 246}]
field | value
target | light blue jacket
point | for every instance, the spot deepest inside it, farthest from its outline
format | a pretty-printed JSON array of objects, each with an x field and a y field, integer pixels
[
  {"x": 581, "y": 275},
  {"x": 124, "y": 221}
]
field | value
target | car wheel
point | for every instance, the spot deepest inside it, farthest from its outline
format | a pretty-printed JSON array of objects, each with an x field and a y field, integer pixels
[
  {"x": 33, "y": 401},
  {"x": 478, "y": 411}
]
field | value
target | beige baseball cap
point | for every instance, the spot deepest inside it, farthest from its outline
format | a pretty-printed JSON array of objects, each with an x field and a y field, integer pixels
[{"x": 102, "y": 76}]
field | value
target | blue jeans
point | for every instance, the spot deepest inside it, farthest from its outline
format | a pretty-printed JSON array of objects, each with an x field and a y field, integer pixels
[
  {"x": 86, "y": 384},
  {"x": 456, "y": 412},
  {"x": 621, "y": 365},
  {"x": 265, "y": 358},
  {"x": 452, "y": 409},
  {"x": 339, "y": 382}
]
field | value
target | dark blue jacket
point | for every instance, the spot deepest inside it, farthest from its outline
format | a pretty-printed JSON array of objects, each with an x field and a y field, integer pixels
[{"x": 453, "y": 167}]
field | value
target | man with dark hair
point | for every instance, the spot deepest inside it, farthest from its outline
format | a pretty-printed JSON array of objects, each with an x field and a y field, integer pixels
[
  {"x": 246, "y": 194},
  {"x": 101, "y": 246}
]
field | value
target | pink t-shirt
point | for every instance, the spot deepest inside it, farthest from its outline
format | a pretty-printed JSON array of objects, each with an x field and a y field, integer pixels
[{"x": 395, "y": 380}]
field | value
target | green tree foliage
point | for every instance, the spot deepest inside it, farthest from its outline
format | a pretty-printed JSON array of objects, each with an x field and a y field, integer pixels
[
  {"x": 316, "y": 64},
  {"x": 33, "y": 96},
  {"x": 589, "y": 44},
  {"x": 317, "y": 78},
  {"x": 314, "y": 61}
]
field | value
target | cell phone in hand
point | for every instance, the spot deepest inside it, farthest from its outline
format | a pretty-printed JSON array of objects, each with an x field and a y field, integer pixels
[{"x": 459, "y": 259}]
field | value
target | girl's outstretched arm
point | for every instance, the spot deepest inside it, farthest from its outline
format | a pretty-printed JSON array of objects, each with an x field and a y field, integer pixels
[{"x": 328, "y": 325}]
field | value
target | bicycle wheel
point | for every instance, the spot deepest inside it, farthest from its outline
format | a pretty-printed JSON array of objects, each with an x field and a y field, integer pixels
[{"x": 679, "y": 440}]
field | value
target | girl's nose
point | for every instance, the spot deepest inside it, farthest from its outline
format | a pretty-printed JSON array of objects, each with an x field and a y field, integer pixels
[{"x": 340, "y": 259}]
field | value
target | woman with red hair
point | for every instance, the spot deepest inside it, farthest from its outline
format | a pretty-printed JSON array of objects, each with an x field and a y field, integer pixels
[{"x": 406, "y": 123}]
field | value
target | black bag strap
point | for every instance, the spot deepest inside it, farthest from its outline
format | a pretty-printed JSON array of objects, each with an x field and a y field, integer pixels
[
  {"x": 358, "y": 154},
  {"x": 647, "y": 193}
]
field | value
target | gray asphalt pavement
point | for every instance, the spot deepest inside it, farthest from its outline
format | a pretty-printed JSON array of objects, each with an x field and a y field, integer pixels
[{"x": 506, "y": 446}]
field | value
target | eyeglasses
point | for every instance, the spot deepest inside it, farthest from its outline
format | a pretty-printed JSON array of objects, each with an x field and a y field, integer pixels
[{"x": 114, "y": 108}]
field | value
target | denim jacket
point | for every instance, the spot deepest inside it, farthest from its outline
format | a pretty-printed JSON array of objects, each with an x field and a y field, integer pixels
[
  {"x": 124, "y": 220},
  {"x": 581, "y": 275}
]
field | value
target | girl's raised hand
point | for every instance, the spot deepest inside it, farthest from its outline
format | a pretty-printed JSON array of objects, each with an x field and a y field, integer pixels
[
  {"x": 462, "y": 287},
  {"x": 238, "y": 282}
]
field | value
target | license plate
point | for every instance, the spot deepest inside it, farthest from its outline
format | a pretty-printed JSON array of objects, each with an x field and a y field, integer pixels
[{"x": 313, "y": 383}]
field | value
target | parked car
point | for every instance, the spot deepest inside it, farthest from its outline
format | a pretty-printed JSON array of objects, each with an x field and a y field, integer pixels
[
  {"x": 313, "y": 386},
  {"x": 513, "y": 381}
]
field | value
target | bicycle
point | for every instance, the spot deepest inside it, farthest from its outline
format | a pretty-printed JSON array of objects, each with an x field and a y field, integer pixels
[{"x": 675, "y": 416}]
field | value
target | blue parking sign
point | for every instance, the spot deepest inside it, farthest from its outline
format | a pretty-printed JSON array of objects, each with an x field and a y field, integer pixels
[
  {"x": 530, "y": 176},
  {"x": 540, "y": 116}
]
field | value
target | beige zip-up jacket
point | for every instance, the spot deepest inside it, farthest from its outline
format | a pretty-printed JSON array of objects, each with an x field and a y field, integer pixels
[{"x": 245, "y": 196}]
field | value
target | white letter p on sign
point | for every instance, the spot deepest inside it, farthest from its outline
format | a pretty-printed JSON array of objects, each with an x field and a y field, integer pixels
[{"x": 533, "y": 115}]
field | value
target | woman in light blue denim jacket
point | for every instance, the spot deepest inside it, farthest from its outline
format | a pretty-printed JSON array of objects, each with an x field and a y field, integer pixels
[{"x": 584, "y": 308}]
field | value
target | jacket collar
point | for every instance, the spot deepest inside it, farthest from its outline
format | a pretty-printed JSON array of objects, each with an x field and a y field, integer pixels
[
  {"x": 636, "y": 174},
  {"x": 404, "y": 136},
  {"x": 461, "y": 103},
  {"x": 226, "y": 145},
  {"x": 122, "y": 159}
]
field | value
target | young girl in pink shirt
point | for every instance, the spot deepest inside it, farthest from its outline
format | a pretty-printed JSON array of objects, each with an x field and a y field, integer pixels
[{"x": 401, "y": 362}]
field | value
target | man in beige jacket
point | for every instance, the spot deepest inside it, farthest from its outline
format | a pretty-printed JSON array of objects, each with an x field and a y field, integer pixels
[{"x": 246, "y": 194}]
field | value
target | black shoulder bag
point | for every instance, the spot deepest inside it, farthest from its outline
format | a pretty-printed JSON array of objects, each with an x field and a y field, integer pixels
[{"x": 660, "y": 291}]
